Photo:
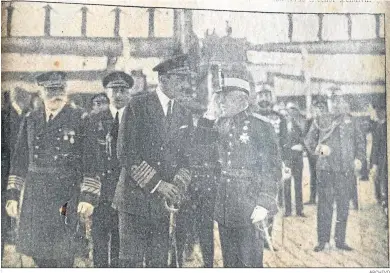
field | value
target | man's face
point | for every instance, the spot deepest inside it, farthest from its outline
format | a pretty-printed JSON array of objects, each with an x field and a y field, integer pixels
[
  {"x": 175, "y": 85},
  {"x": 119, "y": 96},
  {"x": 54, "y": 97},
  {"x": 99, "y": 105},
  {"x": 231, "y": 103},
  {"x": 264, "y": 100},
  {"x": 339, "y": 105}
]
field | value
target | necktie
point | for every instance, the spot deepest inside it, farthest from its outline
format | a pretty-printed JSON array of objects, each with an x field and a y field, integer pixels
[
  {"x": 169, "y": 113},
  {"x": 115, "y": 126}
]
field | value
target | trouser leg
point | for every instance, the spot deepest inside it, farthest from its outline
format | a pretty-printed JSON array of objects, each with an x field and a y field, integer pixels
[
  {"x": 229, "y": 247},
  {"x": 114, "y": 253},
  {"x": 158, "y": 245},
  {"x": 297, "y": 174},
  {"x": 342, "y": 201},
  {"x": 287, "y": 196},
  {"x": 100, "y": 236},
  {"x": 325, "y": 206},
  {"x": 313, "y": 178}
]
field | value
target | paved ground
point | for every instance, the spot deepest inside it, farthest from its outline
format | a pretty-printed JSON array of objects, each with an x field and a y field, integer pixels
[{"x": 366, "y": 233}]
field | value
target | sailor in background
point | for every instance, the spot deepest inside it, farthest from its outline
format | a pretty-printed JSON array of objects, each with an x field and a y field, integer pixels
[
  {"x": 99, "y": 103},
  {"x": 250, "y": 171},
  {"x": 105, "y": 232},
  {"x": 337, "y": 140},
  {"x": 379, "y": 156},
  {"x": 265, "y": 110},
  {"x": 54, "y": 162},
  {"x": 296, "y": 125},
  {"x": 319, "y": 107},
  {"x": 152, "y": 143}
]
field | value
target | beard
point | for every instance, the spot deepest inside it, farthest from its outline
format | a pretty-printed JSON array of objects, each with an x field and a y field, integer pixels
[{"x": 265, "y": 104}]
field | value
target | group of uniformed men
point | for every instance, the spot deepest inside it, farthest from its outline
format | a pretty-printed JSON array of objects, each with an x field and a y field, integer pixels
[{"x": 145, "y": 160}]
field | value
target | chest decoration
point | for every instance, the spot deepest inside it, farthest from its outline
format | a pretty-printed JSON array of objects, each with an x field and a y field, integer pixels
[
  {"x": 244, "y": 137},
  {"x": 108, "y": 144},
  {"x": 69, "y": 135},
  {"x": 275, "y": 121}
]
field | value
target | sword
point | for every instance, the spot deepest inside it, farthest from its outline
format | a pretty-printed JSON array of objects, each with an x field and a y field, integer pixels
[
  {"x": 172, "y": 234},
  {"x": 267, "y": 236}
]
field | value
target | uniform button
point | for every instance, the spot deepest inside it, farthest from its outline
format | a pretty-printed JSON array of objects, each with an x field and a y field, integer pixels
[
  {"x": 196, "y": 188},
  {"x": 208, "y": 189},
  {"x": 230, "y": 144},
  {"x": 206, "y": 164},
  {"x": 37, "y": 137},
  {"x": 229, "y": 162},
  {"x": 58, "y": 138},
  {"x": 60, "y": 130},
  {"x": 103, "y": 174},
  {"x": 229, "y": 153},
  {"x": 207, "y": 176},
  {"x": 109, "y": 171},
  {"x": 55, "y": 157},
  {"x": 230, "y": 135},
  {"x": 36, "y": 147},
  {"x": 161, "y": 148},
  {"x": 35, "y": 156},
  {"x": 108, "y": 158},
  {"x": 228, "y": 180},
  {"x": 195, "y": 175},
  {"x": 58, "y": 148},
  {"x": 159, "y": 163}
]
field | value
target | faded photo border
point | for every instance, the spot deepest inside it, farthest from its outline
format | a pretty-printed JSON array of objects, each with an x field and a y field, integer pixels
[{"x": 276, "y": 6}]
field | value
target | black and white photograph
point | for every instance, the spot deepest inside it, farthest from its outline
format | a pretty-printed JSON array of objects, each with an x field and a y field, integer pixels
[{"x": 178, "y": 136}]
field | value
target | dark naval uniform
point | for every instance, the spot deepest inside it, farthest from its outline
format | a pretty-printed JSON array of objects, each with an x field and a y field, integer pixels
[
  {"x": 335, "y": 172},
  {"x": 148, "y": 140},
  {"x": 379, "y": 158},
  {"x": 49, "y": 162},
  {"x": 279, "y": 124},
  {"x": 250, "y": 174},
  {"x": 198, "y": 210},
  {"x": 105, "y": 218}
]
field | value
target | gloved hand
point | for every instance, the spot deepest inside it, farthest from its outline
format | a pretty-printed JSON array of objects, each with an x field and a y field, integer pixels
[
  {"x": 212, "y": 111},
  {"x": 12, "y": 208},
  {"x": 169, "y": 191},
  {"x": 286, "y": 173},
  {"x": 298, "y": 148},
  {"x": 259, "y": 214},
  {"x": 323, "y": 150},
  {"x": 358, "y": 165},
  {"x": 85, "y": 210}
]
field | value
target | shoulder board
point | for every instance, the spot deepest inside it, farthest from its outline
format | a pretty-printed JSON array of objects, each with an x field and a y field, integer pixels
[{"x": 262, "y": 118}]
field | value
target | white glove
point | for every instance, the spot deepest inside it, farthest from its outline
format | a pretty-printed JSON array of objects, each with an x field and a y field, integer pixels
[
  {"x": 358, "y": 165},
  {"x": 323, "y": 150},
  {"x": 297, "y": 147},
  {"x": 212, "y": 111},
  {"x": 373, "y": 172},
  {"x": 85, "y": 210},
  {"x": 259, "y": 214},
  {"x": 12, "y": 208},
  {"x": 286, "y": 173}
]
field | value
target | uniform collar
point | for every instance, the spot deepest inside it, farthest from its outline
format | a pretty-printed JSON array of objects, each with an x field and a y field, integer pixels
[
  {"x": 17, "y": 108},
  {"x": 164, "y": 100},
  {"x": 114, "y": 110},
  {"x": 54, "y": 113}
]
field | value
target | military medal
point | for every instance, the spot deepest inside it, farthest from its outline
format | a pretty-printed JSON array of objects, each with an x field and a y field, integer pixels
[
  {"x": 244, "y": 138},
  {"x": 72, "y": 134}
]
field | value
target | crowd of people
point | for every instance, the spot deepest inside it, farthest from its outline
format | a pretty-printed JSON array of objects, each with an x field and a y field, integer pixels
[{"x": 152, "y": 175}]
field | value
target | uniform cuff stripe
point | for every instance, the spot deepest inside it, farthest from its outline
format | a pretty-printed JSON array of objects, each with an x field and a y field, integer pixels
[{"x": 15, "y": 182}]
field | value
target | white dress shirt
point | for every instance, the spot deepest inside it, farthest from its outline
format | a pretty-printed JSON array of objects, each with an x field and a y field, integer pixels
[
  {"x": 54, "y": 113},
  {"x": 113, "y": 111},
  {"x": 164, "y": 100}
]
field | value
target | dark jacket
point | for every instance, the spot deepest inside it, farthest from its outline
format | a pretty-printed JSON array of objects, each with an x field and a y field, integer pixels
[
  {"x": 250, "y": 169},
  {"x": 53, "y": 163},
  {"x": 146, "y": 140},
  {"x": 344, "y": 138},
  {"x": 107, "y": 160}
]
